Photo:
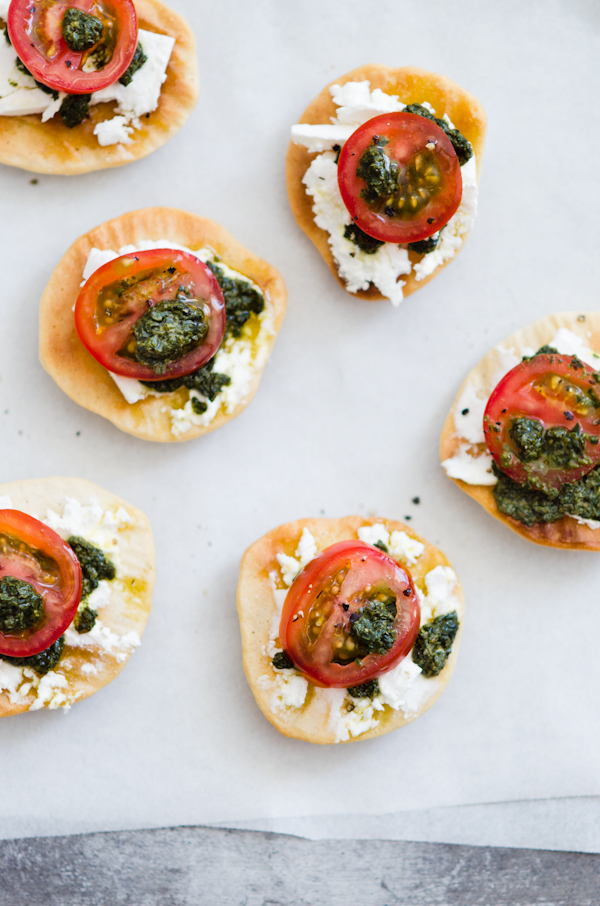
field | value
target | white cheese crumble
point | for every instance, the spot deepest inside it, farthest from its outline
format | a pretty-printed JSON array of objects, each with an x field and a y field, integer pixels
[
  {"x": 101, "y": 527},
  {"x": 19, "y": 95},
  {"x": 240, "y": 358},
  {"x": 305, "y": 552},
  {"x": 356, "y": 105},
  {"x": 400, "y": 545}
]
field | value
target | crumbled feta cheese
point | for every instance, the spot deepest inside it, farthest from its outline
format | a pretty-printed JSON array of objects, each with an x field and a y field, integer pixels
[
  {"x": 320, "y": 137},
  {"x": 142, "y": 94},
  {"x": 114, "y": 132},
  {"x": 405, "y": 689},
  {"x": 471, "y": 468},
  {"x": 51, "y": 693},
  {"x": 305, "y": 552},
  {"x": 92, "y": 522},
  {"x": 356, "y": 717},
  {"x": 569, "y": 343},
  {"x": 371, "y": 534},
  {"x": 357, "y": 103},
  {"x": 468, "y": 414},
  {"x": 289, "y": 689},
  {"x": 101, "y": 636},
  {"x": 403, "y": 547},
  {"x": 132, "y": 390},
  {"x": 441, "y": 583},
  {"x": 591, "y": 523}
]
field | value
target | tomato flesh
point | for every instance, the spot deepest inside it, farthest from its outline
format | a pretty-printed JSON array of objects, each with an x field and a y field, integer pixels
[
  {"x": 325, "y": 602},
  {"x": 424, "y": 184},
  {"x": 542, "y": 422},
  {"x": 32, "y": 552},
  {"x": 119, "y": 293},
  {"x": 35, "y": 30}
]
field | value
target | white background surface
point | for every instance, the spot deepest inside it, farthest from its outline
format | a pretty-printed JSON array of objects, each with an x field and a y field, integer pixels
[{"x": 347, "y": 420}]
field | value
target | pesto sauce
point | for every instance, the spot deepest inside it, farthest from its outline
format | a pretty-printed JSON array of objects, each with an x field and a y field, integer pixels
[
  {"x": 463, "y": 147},
  {"x": 365, "y": 243},
  {"x": 372, "y": 627},
  {"x": 139, "y": 58},
  {"x": 168, "y": 331},
  {"x": 424, "y": 246},
  {"x": 205, "y": 381},
  {"x": 85, "y": 619},
  {"x": 282, "y": 661},
  {"x": 43, "y": 662},
  {"x": 366, "y": 690},
  {"x": 81, "y": 30},
  {"x": 434, "y": 644},
  {"x": 75, "y": 109},
  {"x": 241, "y": 300},
  {"x": 95, "y": 565},
  {"x": 530, "y": 506},
  {"x": 379, "y": 171},
  {"x": 21, "y": 606}
]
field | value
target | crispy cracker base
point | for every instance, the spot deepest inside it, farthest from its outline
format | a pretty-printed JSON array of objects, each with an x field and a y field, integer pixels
[
  {"x": 256, "y": 607},
  {"x": 566, "y": 532},
  {"x": 50, "y": 147},
  {"x": 412, "y": 86},
  {"x": 67, "y": 360},
  {"x": 129, "y": 607}
]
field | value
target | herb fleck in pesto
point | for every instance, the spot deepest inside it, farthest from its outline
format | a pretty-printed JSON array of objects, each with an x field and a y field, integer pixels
[
  {"x": 81, "y": 30},
  {"x": 20, "y": 605},
  {"x": 168, "y": 331},
  {"x": 43, "y": 662},
  {"x": 382, "y": 547},
  {"x": 95, "y": 565},
  {"x": 379, "y": 172},
  {"x": 139, "y": 58},
  {"x": 366, "y": 690},
  {"x": 198, "y": 407},
  {"x": 461, "y": 145},
  {"x": 424, "y": 246},
  {"x": 241, "y": 300},
  {"x": 530, "y": 506},
  {"x": 85, "y": 619},
  {"x": 282, "y": 661},
  {"x": 75, "y": 109},
  {"x": 372, "y": 627},
  {"x": 205, "y": 381},
  {"x": 365, "y": 243},
  {"x": 434, "y": 644}
]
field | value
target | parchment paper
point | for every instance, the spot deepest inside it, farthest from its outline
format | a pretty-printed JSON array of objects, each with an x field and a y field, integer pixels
[{"x": 347, "y": 420}]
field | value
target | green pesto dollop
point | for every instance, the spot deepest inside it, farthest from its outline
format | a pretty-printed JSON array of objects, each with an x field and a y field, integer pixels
[
  {"x": 168, "y": 331},
  {"x": 241, "y": 300},
  {"x": 365, "y": 243},
  {"x": 95, "y": 565},
  {"x": 424, "y": 246},
  {"x": 365, "y": 690},
  {"x": 379, "y": 172},
  {"x": 204, "y": 380},
  {"x": 43, "y": 662},
  {"x": 21, "y": 606},
  {"x": 85, "y": 619},
  {"x": 139, "y": 58},
  {"x": 7, "y": 36},
  {"x": 372, "y": 627},
  {"x": 434, "y": 643},
  {"x": 463, "y": 147},
  {"x": 529, "y": 506},
  {"x": 75, "y": 109},
  {"x": 81, "y": 30},
  {"x": 557, "y": 446},
  {"x": 282, "y": 661}
]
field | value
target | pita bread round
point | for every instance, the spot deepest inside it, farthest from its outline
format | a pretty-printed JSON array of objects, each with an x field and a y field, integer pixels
[
  {"x": 566, "y": 532},
  {"x": 52, "y": 148},
  {"x": 256, "y": 609},
  {"x": 89, "y": 669},
  {"x": 412, "y": 86},
  {"x": 78, "y": 373}
]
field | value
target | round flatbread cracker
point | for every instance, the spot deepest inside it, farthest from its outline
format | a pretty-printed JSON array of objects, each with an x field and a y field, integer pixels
[
  {"x": 52, "y": 148},
  {"x": 566, "y": 532},
  {"x": 412, "y": 86},
  {"x": 78, "y": 373},
  {"x": 89, "y": 669},
  {"x": 256, "y": 609}
]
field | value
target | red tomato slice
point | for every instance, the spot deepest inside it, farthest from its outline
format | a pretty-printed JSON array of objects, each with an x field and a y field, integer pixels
[
  {"x": 555, "y": 392},
  {"x": 35, "y": 29},
  {"x": 32, "y": 552},
  {"x": 429, "y": 185},
  {"x": 120, "y": 292},
  {"x": 327, "y": 598}
]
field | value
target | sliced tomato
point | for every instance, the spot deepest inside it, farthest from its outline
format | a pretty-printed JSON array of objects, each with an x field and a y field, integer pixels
[
  {"x": 35, "y": 29},
  {"x": 542, "y": 422},
  {"x": 117, "y": 295},
  {"x": 32, "y": 552},
  {"x": 423, "y": 192},
  {"x": 324, "y": 604}
]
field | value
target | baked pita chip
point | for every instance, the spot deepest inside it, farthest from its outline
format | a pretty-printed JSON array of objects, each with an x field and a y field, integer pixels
[
  {"x": 566, "y": 532},
  {"x": 78, "y": 373},
  {"x": 89, "y": 669},
  {"x": 412, "y": 86},
  {"x": 257, "y": 608},
  {"x": 52, "y": 148}
]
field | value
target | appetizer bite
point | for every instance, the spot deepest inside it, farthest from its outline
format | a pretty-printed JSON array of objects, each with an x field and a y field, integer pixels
[
  {"x": 161, "y": 322},
  {"x": 382, "y": 175},
  {"x": 76, "y": 580},
  {"x": 523, "y": 435},
  {"x": 89, "y": 84},
  {"x": 350, "y": 627}
]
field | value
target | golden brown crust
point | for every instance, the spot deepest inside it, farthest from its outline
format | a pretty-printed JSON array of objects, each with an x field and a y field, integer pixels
[
  {"x": 50, "y": 147},
  {"x": 566, "y": 532},
  {"x": 256, "y": 608},
  {"x": 412, "y": 86},
  {"x": 77, "y": 373},
  {"x": 131, "y": 592}
]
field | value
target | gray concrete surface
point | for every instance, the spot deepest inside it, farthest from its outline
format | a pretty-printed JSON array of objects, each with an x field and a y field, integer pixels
[{"x": 198, "y": 866}]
